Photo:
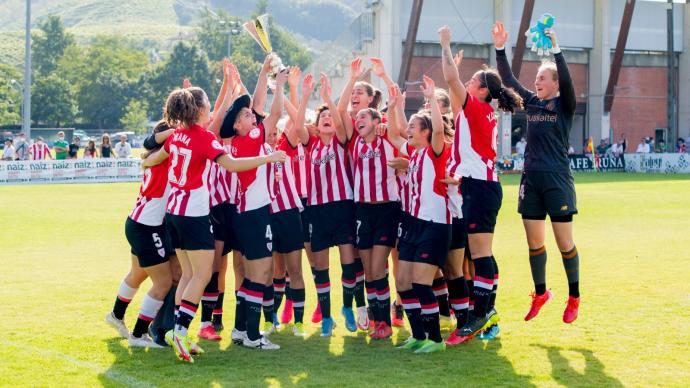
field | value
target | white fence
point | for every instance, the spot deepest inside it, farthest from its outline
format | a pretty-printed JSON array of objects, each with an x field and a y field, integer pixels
[{"x": 70, "y": 171}]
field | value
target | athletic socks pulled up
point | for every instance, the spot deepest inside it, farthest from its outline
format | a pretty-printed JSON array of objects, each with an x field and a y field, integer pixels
[
  {"x": 372, "y": 299},
  {"x": 185, "y": 316},
  {"x": 383, "y": 299},
  {"x": 209, "y": 299},
  {"x": 537, "y": 263},
  {"x": 240, "y": 309},
  {"x": 459, "y": 298},
  {"x": 494, "y": 290},
  {"x": 322, "y": 281},
  {"x": 147, "y": 313},
  {"x": 125, "y": 294},
  {"x": 349, "y": 279},
  {"x": 430, "y": 314},
  {"x": 571, "y": 264},
  {"x": 440, "y": 288},
  {"x": 268, "y": 303},
  {"x": 298, "y": 297},
  {"x": 483, "y": 284},
  {"x": 279, "y": 289},
  {"x": 413, "y": 310},
  {"x": 218, "y": 309},
  {"x": 359, "y": 285},
  {"x": 253, "y": 300}
]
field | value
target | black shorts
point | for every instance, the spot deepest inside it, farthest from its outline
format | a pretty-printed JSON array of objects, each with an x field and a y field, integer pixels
[
  {"x": 221, "y": 219},
  {"x": 254, "y": 234},
  {"x": 304, "y": 214},
  {"x": 481, "y": 201},
  {"x": 425, "y": 242},
  {"x": 332, "y": 224},
  {"x": 403, "y": 223},
  {"x": 150, "y": 244},
  {"x": 549, "y": 193},
  {"x": 458, "y": 239},
  {"x": 286, "y": 227},
  {"x": 190, "y": 233},
  {"x": 376, "y": 224}
]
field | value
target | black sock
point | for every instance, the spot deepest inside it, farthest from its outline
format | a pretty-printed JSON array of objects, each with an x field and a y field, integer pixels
[
  {"x": 298, "y": 304},
  {"x": 279, "y": 289},
  {"x": 371, "y": 300},
  {"x": 494, "y": 289},
  {"x": 240, "y": 309},
  {"x": 571, "y": 264},
  {"x": 349, "y": 280},
  {"x": 185, "y": 316},
  {"x": 537, "y": 263},
  {"x": 441, "y": 292},
  {"x": 323, "y": 291},
  {"x": 209, "y": 298},
  {"x": 413, "y": 311},
  {"x": 124, "y": 295},
  {"x": 430, "y": 316},
  {"x": 459, "y": 298},
  {"x": 268, "y": 303},
  {"x": 383, "y": 298},
  {"x": 253, "y": 300},
  {"x": 360, "y": 300},
  {"x": 483, "y": 284},
  {"x": 470, "y": 290},
  {"x": 218, "y": 309}
]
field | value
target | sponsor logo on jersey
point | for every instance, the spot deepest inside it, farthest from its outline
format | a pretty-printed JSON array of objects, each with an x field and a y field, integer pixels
[{"x": 217, "y": 145}]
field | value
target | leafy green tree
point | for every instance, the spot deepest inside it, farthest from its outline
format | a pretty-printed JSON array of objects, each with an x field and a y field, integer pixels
[
  {"x": 135, "y": 118},
  {"x": 52, "y": 101},
  {"x": 10, "y": 95},
  {"x": 49, "y": 44}
]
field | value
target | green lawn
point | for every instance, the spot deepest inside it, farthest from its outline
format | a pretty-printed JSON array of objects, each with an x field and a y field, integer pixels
[{"x": 64, "y": 253}]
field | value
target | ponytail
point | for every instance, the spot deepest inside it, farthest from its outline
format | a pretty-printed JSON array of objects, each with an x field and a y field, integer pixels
[
  {"x": 184, "y": 106},
  {"x": 508, "y": 100},
  {"x": 371, "y": 92}
]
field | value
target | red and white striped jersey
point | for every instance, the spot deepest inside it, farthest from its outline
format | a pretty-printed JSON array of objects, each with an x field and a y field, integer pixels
[
  {"x": 217, "y": 185},
  {"x": 329, "y": 172},
  {"x": 299, "y": 168},
  {"x": 455, "y": 201},
  {"x": 153, "y": 196},
  {"x": 474, "y": 144},
  {"x": 191, "y": 153},
  {"x": 231, "y": 180},
  {"x": 256, "y": 185},
  {"x": 403, "y": 190},
  {"x": 39, "y": 151},
  {"x": 286, "y": 194},
  {"x": 374, "y": 179},
  {"x": 428, "y": 196}
]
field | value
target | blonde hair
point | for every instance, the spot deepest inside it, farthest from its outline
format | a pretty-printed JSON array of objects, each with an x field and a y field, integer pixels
[{"x": 551, "y": 66}]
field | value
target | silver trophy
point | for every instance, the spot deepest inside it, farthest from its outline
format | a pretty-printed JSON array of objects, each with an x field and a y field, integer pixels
[{"x": 258, "y": 29}]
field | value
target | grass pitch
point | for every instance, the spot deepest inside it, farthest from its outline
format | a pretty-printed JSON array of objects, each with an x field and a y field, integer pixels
[{"x": 64, "y": 253}]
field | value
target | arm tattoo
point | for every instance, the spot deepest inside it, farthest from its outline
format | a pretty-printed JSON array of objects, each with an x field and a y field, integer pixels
[{"x": 448, "y": 56}]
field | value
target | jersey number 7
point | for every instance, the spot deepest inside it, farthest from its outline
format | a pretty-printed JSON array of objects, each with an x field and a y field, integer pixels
[{"x": 178, "y": 173}]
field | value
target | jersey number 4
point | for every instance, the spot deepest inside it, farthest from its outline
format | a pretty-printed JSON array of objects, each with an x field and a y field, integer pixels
[{"x": 178, "y": 173}]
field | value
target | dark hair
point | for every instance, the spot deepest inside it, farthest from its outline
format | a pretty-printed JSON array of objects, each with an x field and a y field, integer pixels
[
  {"x": 319, "y": 110},
  {"x": 508, "y": 100},
  {"x": 371, "y": 91},
  {"x": 424, "y": 116},
  {"x": 376, "y": 115},
  {"x": 183, "y": 107},
  {"x": 160, "y": 126}
]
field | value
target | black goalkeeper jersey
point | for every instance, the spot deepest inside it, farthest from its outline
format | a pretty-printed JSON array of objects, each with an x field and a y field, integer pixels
[{"x": 548, "y": 121}]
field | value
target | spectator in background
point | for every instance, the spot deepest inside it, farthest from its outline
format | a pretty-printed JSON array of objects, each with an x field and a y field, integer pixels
[
  {"x": 571, "y": 150},
  {"x": 602, "y": 147},
  {"x": 61, "y": 146},
  {"x": 22, "y": 147},
  {"x": 74, "y": 147},
  {"x": 661, "y": 146},
  {"x": 622, "y": 141},
  {"x": 643, "y": 147},
  {"x": 106, "y": 147},
  {"x": 122, "y": 149},
  {"x": 39, "y": 150},
  {"x": 90, "y": 150},
  {"x": 616, "y": 149},
  {"x": 9, "y": 153},
  {"x": 681, "y": 146},
  {"x": 520, "y": 146}
]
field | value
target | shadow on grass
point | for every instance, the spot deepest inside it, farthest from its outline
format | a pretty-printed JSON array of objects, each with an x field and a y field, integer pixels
[{"x": 563, "y": 373}]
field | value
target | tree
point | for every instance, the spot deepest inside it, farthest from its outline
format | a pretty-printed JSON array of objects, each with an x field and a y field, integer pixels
[
  {"x": 186, "y": 61},
  {"x": 10, "y": 95},
  {"x": 135, "y": 119},
  {"x": 52, "y": 101},
  {"x": 49, "y": 44}
]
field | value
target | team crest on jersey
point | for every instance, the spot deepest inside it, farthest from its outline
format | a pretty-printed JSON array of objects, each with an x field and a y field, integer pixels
[
  {"x": 217, "y": 145},
  {"x": 269, "y": 246},
  {"x": 161, "y": 252},
  {"x": 254, "y": 133},
  {"x": 551, "y": 105}
]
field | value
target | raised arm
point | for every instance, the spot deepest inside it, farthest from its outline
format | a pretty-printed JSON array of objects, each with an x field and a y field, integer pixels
[
  {"x": 394, "y": 113},
  {"x": 228, "y": 98},
  {"x": 343, "y": 128},
  {"x": 565, "y": 83},
  {"x": 224, "y": 87},
  {"x": 261, "y": 90},
  {"x": 458, "y": 94},
  {"x": 356, "y": 71},
  {"x": 500, "y": 37},
  {"x": 277, "y": 106},
  {"x": 155, "y": 158},
  {"x": 294, "y": 76},
  {"x": 379, "y": 69},
  {"x": 293, "y": 134},
  {"x": 437, "y": 133},
  {"x": 243, "y": 164}
]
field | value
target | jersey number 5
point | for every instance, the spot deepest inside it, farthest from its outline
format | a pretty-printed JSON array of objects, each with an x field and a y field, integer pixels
[{"x": 186, "y": 155}]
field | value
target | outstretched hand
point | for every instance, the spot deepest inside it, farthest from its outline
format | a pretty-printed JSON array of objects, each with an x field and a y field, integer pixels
[
  {"x": 356, "y": 69},
  {"x": 377, "y": 67},
  {"x": 444, "y": 36},
  {"x": 325, "y": 87},
  {"x": 499, "y": 35},
  {"x": 428, "y": 88}
]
